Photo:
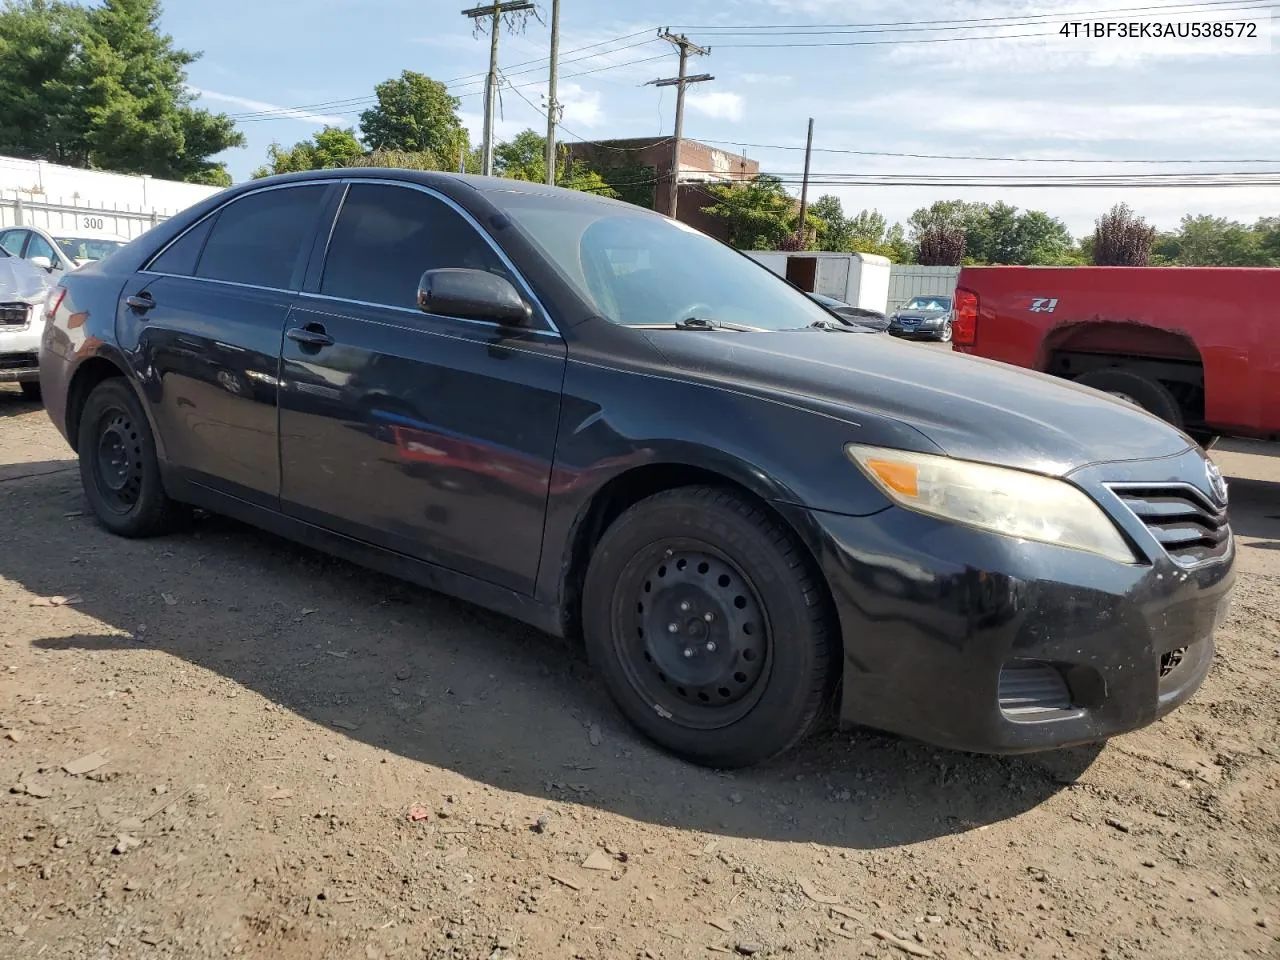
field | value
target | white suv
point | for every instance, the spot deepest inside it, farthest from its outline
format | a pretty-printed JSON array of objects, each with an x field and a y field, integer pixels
[{"x": 59, "y": 249}]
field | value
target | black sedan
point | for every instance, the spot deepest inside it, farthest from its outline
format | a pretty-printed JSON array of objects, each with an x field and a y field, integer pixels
[
  {"x": 609, "y": 425},
  {"x": 924, "y": 318},
  {"x": 858, "y": 316}
]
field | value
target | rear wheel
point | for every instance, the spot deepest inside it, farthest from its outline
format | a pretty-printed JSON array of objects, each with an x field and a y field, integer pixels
[
  {"x": 708, "y": 626},
  {"x": 118, "y": 466},
  {"x": 30, "y": 389},
  {"x": 1137, "y": 389}
]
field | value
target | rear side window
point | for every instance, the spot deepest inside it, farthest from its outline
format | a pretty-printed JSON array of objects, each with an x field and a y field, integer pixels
[
  {"x": 180, "y": 259},
  {"x": 263, "y": 239},
  {"x": 386, "y": 237}
]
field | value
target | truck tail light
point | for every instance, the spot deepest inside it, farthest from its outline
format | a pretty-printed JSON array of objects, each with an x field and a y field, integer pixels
[{"x": 965, "y": 328}]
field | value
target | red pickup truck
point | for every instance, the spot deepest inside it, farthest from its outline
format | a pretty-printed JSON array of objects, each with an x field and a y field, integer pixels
[{"x": 1197, "y": 346}]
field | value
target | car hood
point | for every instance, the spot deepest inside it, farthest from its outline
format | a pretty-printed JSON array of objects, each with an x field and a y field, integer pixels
[
  {"x": 970, "y": 408},
  {"x": 19, "y": 280}
]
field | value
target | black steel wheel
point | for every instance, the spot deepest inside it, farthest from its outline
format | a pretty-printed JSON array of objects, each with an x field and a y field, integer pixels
[
  {"x": 692, "y": 634},
  {"x": 118, "y": 466},
  {"x": 708, "y": 624}
]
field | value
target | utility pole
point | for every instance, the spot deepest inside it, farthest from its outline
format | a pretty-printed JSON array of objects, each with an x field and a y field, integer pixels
[
  {"x": 553, "y": 107},
  {"x": 804, "y": 189},
  {"x": 681, "y": 83},
  {"x": 495, "y": 11}
]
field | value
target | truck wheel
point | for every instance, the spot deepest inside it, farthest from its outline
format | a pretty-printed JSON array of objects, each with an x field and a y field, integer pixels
[
  {"x": 709, "y": 628},
  {"x": 1139, "y": 390}
]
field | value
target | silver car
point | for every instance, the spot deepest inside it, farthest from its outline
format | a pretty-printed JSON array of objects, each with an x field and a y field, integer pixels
[
  {"x": 59, "y": 250},
  {"x": 23, "y": 289}
]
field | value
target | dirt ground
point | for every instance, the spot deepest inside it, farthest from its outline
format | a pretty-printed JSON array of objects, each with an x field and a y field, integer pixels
[{"x": 259, "y": 720}]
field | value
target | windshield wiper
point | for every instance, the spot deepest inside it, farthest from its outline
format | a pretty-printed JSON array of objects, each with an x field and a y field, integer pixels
[
  {"x": 831, "y": 325},
  {"x": 706, "y": 323}
]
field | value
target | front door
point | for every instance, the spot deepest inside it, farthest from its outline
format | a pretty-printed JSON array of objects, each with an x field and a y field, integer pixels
[
  {"x": 429, "y": 435},
  {"x": 203, "y": 321}
]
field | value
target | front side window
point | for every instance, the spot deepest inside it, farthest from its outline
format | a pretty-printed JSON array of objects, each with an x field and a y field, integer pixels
[
  {"x": 263, "y": 239},
  {"x": 386, "y": 237},
  {"x": 40, "y": 247},
  {"x": 639, "y": 269},
  {"x": 11, "y": 241}
]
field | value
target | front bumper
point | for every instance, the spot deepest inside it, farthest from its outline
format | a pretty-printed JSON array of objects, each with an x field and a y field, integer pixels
[
  {"x": 979, "y": 642},
  {"x": 20, "y": 351},
  {"x": 926, "y": 328}
]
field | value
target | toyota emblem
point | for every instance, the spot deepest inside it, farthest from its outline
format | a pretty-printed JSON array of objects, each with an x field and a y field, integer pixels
[{"x": 1216, "y": 483}]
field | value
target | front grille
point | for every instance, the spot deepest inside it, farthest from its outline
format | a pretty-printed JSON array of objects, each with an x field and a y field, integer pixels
[
  {"x": 1033, "y": 690},
  {"x": 14, "y": 314},
  {"x": 1181, "y": 518}
]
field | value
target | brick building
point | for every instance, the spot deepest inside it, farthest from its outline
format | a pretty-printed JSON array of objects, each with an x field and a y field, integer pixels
[{"x": 642, "y": 165}]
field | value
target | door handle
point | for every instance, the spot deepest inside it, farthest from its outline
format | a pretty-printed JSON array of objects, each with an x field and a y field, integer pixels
[
  {"x": 312, "y": 335},
  {"x": 142, "y": 302}
]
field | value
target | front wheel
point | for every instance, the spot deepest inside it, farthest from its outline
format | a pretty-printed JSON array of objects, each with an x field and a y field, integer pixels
[
  {"x": 118, "y": 466},
  {"x": 705, "y": 620},
  {"x": 944, "y": 335}
]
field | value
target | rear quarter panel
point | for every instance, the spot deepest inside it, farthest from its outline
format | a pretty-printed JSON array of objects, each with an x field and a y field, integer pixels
[{"x": 1230, "y": 315}]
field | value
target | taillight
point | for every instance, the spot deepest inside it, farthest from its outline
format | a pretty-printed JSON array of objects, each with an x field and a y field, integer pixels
[
  {"x": 53, "y": 301},
  {"x": 965, "y": 328}
]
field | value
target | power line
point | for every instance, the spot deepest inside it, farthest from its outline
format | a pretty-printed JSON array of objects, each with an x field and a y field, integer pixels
[
  {"x": 534, "y": 65},
  {"x": 947, "y": 156}
]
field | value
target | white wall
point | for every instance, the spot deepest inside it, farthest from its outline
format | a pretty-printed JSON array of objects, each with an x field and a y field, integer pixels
[
  {"x": 35, "y": 193},
  {"x": 37, "y": 180},
  {"x": 907, "y": 280}
]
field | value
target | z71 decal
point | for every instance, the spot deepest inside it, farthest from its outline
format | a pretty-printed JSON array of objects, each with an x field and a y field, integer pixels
[{"x": 1044, "y": 305}]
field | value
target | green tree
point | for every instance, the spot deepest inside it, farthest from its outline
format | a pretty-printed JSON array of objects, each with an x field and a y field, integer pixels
[
  {"x": 103, "y": 87},
  {"x": 1207, "y": 241},
  {"x": 400, "y": 159},
  {"x": 761, "y": 215},
  {"x": 331, "y": 147},
  {"x": 524, "y": 157},
  {"x": 42, "y": 110},
  {"x": 416, "y": 114}
]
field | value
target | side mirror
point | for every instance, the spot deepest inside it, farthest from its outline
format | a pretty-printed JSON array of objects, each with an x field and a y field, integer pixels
[
  {"x": 472, "y": 295},
  {"x": 44, "y": 263}
]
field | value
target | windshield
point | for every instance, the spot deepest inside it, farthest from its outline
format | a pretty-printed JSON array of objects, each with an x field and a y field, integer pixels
[
  {"x": 88, "y": 248},
  {"x": 638, "y": 269},
  {"x": 928, "y": 303}
]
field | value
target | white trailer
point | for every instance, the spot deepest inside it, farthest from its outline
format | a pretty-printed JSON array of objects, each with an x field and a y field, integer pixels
[{"x": 859, "y": 279}]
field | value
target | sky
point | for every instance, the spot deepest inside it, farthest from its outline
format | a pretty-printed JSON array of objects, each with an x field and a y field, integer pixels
[{"x": 950, "y": 78}]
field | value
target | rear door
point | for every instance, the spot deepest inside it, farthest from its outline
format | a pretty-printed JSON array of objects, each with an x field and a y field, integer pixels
[
  {"x": 429, "y": 435},
  {"x": 203, "y": 322}
]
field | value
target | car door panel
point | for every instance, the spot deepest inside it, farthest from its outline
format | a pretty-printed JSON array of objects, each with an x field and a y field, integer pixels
[
  {"x": 428, "y": 435},
  {"x": 208, "y": 356}
]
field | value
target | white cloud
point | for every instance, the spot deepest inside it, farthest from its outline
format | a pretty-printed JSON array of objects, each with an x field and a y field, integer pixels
[
  {"x": 261, "y": 105},
  {"x": 719, "y": 104},
  {"x": 582, "y": 107}
]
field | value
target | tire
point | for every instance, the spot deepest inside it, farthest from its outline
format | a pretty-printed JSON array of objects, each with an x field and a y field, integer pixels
[
  {"x": 118, "y": 466},
  {"x": 1137, "y": 389},
  {"x": 728, "y": 692},
  {"x": 30, "y": 390},
  {"x": 944, "y": 336}
]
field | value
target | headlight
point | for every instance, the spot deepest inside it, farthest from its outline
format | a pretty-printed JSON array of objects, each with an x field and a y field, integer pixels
[{"x": 1009, "y": 502}]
